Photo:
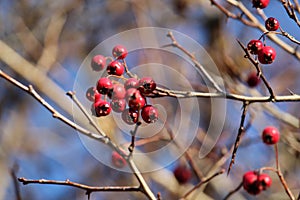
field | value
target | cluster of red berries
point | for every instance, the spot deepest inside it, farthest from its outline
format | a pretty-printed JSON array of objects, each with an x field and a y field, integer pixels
[
  {"x": 254, "y": 182},
  {"x": 265, "y": 54},
  {"x": 131, "y": 93}
]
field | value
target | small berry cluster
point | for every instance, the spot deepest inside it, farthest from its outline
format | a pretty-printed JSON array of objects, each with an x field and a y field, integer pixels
[
  {"x": 265, "y": 54},
  {"x": 254, "y": 182},
  {"x": 128, "y": 98}
]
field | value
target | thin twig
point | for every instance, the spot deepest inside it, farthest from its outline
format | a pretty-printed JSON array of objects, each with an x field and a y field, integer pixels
[
  {"x": 133, "y": 134},
  {"x": 87, "y": 188},
  {"x": 197, "y": 64},
  {"x": 280, "y": 175},
  {"x": 205, "y": 180},
  {"x": 288, "y": 6},
  {"x": 238, "y": 137},
  {"x": 30, "y": 90},
  {"x": 233, "y": 191},
  {"x": 15, "y": 182},
  {"x": 72, "y": 95}
]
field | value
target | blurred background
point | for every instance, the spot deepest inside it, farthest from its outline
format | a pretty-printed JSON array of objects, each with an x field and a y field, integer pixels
[{"x": 44, "y": 43}]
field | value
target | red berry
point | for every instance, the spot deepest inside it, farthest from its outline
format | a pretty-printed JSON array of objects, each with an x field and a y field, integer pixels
[
  {"x": 250, "y": 183},
  {"x": 266, "y": 55},
  {"x": 136, "y": 101},
  {"x": 98, "y": 62},
  {"x": 149, "y": 114},
  {"x": 265, "y": 181},
  {"x": 147, "y": 85},
  {"x": 270, "y": 135},
  {"x": 130, "y": 116},
  {"x": 119, "y": 52},
  {"x": 260, "y": 3},
  {"x": 90, "y": 93},
  {"x": 104, "y": 85},
  {"x": 118, "y": 105},
  {"x": 131, "y": 83},
  {"x": 182, "y": 174},
  {"x": 117, "y": 160},
  {"x": 254, "y": 46},
  {"x": 253, "y": 80},
  {"x": 272, "y": 24},
  {"x": 118, "y": 92},
  {"x": 115, "y": 68},
  {"x": 102, "y": 108}
]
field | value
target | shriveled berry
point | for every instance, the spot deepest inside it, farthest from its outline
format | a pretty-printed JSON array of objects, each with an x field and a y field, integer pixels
[
  {"x": 117, "y": 160},
  {"x": 149, "y": 114},
  {"x": 131, "y": 83},
  {"x": 253, "y": 80},
  {"x": 270, "y": 135},
  {"x": 130, "y": 116},
  {"x": 254, "y": 46},
  {"x": 272, "y": 24},
  {"x": 260, "y": 3},
  {"x": 115, "y": 68},
  {"x": 118, "y": 92},
  {"x": 118, "y": 105},
  {"x": 119, "y": 52},
  {"x": 90, "y": 93},
  {"x": 104, "y": 85},
  {"x": 98, "y": 62},
  {"x": 146, "y": 85},
  {"x": 102, "y": 108},
  {"x": 266, "y": 55},
  {"x": 182, "y": 174}
]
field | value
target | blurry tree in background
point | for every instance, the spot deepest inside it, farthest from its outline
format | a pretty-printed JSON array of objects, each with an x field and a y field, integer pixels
[{"x": 43, "y": 43}]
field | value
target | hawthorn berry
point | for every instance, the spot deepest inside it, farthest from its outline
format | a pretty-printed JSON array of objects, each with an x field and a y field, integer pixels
[
  {"x": 136, "y": 101},
  {"x": 131, "y": 83},
  {"x": 149, "y": 114},
  {"x": 182, "y": 174},
  {"x": 250, "y": 183},
  {"x": 270, "y": 135},
  {"x": 117, "y": 160},
  {"x": 118, "y": 105},
  {"x": 98, "y": 62},
  {"x": 130, "y": 116},
  {"x": 254, "y": 183},
  {"x": 115, "y": 68},
  {"x": 117, "y": 92},
  {"x": 147, "y": 85},
  {"x": 253, "y": 80},
  {"x": 104, "y": 85},
  {"x": 254, "y": 46},
  {"x": 260, "y": 3},
  {"x": 272, "y": 24},
  {"x": 265, "y": 181},
  {"x": 119, "y": 52},
  {"x": 266, "y": 55},
  {"x": 90, "y": 93},
  {"x": 102, "y": 108}
]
